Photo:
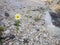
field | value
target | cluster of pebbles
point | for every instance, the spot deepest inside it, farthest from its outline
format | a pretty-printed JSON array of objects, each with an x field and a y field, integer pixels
[{"x": 33, "y": 27}]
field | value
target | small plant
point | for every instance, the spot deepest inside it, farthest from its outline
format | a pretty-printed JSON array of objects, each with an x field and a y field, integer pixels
[
  {"x": 28, "y": 12},
  {"x": 49, "y": 1},
  {"x": 28, "y": 16},
  {"x": 37, "y": 18},
  {"x": 1, "y": 28},
  {"x": 58, "y": 11},
  {"x": 17, "y": 22}
]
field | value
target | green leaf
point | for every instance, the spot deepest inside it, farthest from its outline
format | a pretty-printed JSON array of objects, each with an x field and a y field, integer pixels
[
  {"x": 17, "y": 23},
  {"x": 1, "y": 28}
]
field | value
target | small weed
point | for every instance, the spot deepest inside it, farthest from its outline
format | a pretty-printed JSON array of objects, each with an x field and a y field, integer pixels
[
  {"x": 1, "y": 28},
  {"x": 37, "y": 18},
  {"x": 17, "y": 22},
  {"x": 28, "y": 16},
  {"x": 58, "y": 11}
]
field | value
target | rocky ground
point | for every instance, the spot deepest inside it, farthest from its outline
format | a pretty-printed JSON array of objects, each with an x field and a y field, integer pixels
[{"x": 35, "y": 27}]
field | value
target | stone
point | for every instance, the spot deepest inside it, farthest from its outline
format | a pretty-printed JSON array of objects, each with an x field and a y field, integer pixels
[
  {"x": 6, "y": 14},
  {"x": 45, "y": 35},
  {"x": 7, "y": 31},
  {"x": 25, "y": 41},
  {"x": 11, "y": 36},
  {"x": 55, "y": 19},
  {"x": 37, "y": 29},
  {"x": 10, "y": 43},
  {"x": 17, "y": 43}
]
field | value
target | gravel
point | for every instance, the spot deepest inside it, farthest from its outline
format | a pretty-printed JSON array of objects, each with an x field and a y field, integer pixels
[{"x": 40, "y": 32}]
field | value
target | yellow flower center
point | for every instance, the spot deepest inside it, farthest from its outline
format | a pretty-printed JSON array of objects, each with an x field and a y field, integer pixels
[{"x": 17, "y": 16}]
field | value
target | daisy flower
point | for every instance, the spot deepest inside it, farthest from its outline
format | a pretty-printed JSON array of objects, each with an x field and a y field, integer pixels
[{"x": 17, "y": 16}]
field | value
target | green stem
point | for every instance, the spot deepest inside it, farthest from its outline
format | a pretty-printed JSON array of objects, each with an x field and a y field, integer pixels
[{"x": 17, "y": 27}]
